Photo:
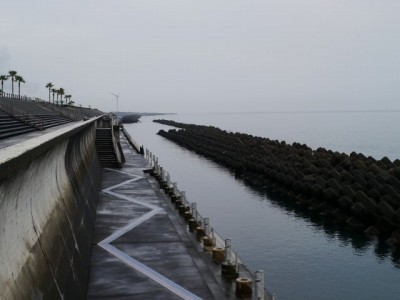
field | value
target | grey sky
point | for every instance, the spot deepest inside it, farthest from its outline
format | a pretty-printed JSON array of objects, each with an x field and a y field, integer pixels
[{"x": 207, "y": 56}]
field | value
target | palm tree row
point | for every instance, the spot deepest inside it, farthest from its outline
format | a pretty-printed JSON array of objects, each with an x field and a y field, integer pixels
[
  {"x": 14, "y": 77},
  {"x": 59, "y": 92}
]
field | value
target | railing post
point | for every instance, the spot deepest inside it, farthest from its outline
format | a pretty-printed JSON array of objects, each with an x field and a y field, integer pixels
[
  {"x": 206, "y": 226},
  {"x": 228, "y": 250},
  {"x": 168, "y": 180},
  {"x": 183, "y": 197},
  {"x": 259, "y": 285},
  {"x": 194, "y": 211}
]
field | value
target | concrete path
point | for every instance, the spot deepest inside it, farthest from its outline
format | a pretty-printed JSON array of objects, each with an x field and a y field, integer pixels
[{"x": 142, "y": 248}]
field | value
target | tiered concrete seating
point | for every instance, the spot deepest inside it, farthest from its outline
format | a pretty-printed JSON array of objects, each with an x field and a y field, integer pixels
[
  {"x": 25, "y": 107},
  {"x": 52, "y": 120},
  {"x": 22, "y": 116},
  {"x": 11, "y": 127}
]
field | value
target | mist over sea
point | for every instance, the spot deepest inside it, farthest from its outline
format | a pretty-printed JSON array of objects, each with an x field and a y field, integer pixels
[{"x": 302, "y": 255}]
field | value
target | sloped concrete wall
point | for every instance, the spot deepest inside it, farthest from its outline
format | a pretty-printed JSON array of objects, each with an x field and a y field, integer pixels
[{"x": 47, "y": 209}]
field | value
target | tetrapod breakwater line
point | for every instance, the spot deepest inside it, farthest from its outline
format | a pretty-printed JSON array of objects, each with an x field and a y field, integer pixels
[{"x": 361, "y": 192}]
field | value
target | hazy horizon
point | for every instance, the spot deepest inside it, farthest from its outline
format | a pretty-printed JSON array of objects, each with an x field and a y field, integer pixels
[{"x": 225, "y": 56}]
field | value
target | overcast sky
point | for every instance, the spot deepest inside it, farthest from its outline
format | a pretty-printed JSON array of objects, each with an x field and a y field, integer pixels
[{"x": 207, "y": 56}]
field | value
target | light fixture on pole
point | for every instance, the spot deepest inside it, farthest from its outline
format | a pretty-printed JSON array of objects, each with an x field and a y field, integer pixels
[{"x": 116, "y": 96}]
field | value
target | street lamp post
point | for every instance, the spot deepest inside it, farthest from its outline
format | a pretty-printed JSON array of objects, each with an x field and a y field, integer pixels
[{"x": 116, "y": 96}]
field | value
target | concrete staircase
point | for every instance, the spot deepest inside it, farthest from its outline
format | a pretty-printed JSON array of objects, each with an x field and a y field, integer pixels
[
  {"x": 52, "y": 120},
  {"x": 11, "y": 127},
  {"x": 105, "y": 149}
]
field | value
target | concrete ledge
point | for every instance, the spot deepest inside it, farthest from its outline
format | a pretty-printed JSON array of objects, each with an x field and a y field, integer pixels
[
  {"x": 48, "y": 198},
  {"x": 14, "y": 157}
]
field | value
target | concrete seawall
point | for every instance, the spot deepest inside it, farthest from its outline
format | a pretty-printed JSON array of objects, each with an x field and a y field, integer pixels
[{"x": 48, "y": 196}]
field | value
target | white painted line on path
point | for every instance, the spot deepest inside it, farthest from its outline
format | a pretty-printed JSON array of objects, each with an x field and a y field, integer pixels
[
  {"x": 135, "y": 264},
  {"x": 157, "y": 277},
  {"x": 118, "y": 233}
]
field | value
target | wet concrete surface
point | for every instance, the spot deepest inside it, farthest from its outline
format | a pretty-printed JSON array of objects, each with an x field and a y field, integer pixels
[{"x": 142, "y": 248}]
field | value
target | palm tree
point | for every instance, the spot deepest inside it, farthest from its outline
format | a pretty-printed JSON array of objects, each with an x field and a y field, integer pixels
[
  {"x": 68, "y": 100},
  {"x": 19, "y": 79},
  {"x": 49, "y": 86},
  {"x": 2, "y": 79},
  {"x": 58, "y": 94},
  {"x": 61, "y": 92},
  {"x": 53, "y": 91},
  {"x": 12, "y": 75}
]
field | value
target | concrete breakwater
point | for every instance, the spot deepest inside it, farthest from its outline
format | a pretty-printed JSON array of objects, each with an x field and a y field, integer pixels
[
  {"x": 359, "y": 191},
  {"x": 48, "y": 193}
]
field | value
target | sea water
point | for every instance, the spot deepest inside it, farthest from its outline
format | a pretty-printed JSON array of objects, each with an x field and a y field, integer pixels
[{"x": 303, "y": 256}]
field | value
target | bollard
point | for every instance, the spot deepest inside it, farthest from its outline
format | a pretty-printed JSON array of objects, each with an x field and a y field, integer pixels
[
  {"x": 182, "y": 209},
  {"x": 192, "y": 225},
  {"x": 259, "y": 284},
  {"x": 178, "y": 202},
  {"x": 229, "y": 270},
  {"x": 218, "y": 254},
  {"x": 200, "y": 232},
  {"x": 208, "y": 243},
  {"x": 187, "y": 215},
  {"x": 244, "y": 287}
]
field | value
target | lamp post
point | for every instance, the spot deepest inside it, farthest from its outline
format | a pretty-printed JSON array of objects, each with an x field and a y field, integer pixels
[{"x": 116, "y": 96}]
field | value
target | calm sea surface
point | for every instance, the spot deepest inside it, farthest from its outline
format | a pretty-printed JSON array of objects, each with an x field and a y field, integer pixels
[{"x": 303, "y": 257}]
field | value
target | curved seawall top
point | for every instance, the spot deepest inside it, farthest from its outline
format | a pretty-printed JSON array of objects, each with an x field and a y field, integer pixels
[
  {"x": 48, "y": 195},
  {"x": 16, "y": 156}
]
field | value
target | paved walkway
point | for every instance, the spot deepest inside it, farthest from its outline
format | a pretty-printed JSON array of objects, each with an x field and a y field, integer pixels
[{"x": 142, "y": 248}]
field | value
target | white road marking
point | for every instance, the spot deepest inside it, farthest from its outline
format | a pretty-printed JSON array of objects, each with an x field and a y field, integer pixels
[{"x": 106, "y": 243}]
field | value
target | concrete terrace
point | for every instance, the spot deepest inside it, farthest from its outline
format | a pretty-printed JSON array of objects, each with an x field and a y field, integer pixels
[{"x": 142, "y": 248}]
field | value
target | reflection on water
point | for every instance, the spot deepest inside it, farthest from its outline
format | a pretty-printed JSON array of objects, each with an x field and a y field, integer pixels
[{"x": 331, "y": 228}]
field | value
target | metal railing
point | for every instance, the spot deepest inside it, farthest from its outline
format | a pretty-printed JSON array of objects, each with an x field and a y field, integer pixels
[{"x": 231, "y": 256}]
